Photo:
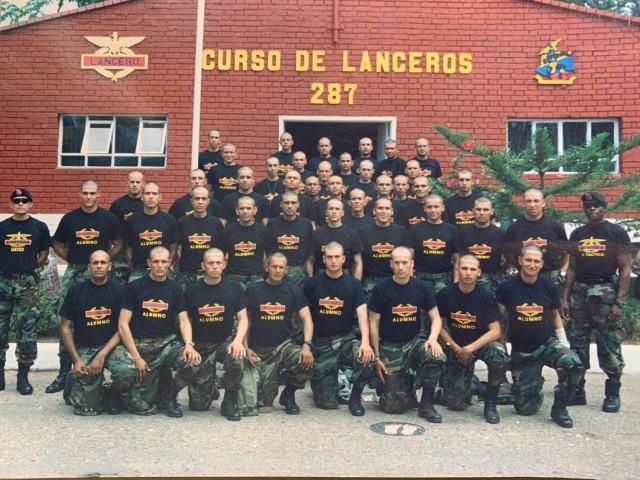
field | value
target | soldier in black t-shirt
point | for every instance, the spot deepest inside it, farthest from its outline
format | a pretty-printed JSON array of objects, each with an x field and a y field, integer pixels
[
  {"x": 335, "y": 301},
  {"x": 213, "y": 304},
  {"x": 596, "y": 286},
  {"x": 429, "y": 166},
  {"x": 80, "y": 233},
  {"x": 537, "y": 339},
  {"x": 198, "y": 232},
  {"x": 378, "y": 241},
  {"x": 123, "y": 207},
  {"x": 182, "y": 206},
  {"x": 413, "y": 210},
  {"x": 24, "y": 247},
  {"x": 223, "y": 178},
  {"x": 355, "y": 216},
  {"x": 334, "y": 231},
  {"x": 149, "y": 229},
  {"x": 272, "y": 186},
  {"x": 285, "y": 154},
  {"x": 245, "y": 243},
  {"x": 291, "y": 235},
  {"x": 306, "y": 208},
  {"x": 539, "y": 230},
  {"x": 459, "y": 206},
  {"x": 246, "y": 181},
  {"x": 436, "y": 245},
  {"x": 273, "y": 304},
  {"x": 149, "y": 308},
  {"x": 472, "y": 320},
  {"x": 212, "y": 156},
  {"x": 89, "y": 330},
  {"x": 395, "y": 321},
  {"x": 485, "y": 241}
]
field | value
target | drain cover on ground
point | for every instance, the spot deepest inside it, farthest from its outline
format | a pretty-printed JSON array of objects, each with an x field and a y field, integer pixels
[{"x": 397, "y": 429}]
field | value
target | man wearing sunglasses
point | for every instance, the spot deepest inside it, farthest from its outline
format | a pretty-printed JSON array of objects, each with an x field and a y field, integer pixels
[
  {"x": 24, "y": 247},
  {"x": 596, "y": 285}
]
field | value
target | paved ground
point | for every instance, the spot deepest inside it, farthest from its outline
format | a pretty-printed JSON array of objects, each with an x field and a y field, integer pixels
[{"x": 40, "y": 437}]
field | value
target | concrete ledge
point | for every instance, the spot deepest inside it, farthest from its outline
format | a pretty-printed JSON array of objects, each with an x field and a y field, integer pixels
[{"x": 48, "y": 358}]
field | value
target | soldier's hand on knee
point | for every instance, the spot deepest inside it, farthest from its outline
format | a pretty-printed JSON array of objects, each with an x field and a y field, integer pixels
[
  {"x": 142, "y": 369},
  {"x": 79, "y": 369},
  {"x": 436, "y": 349},
  {"x": 305, "y": 359},
  {"x": 191, "y": 356},
  {"x": 96, "y": 366},
  {"x": 236, "y": 350},
  {"x": 381, "y": 370},
  {"x": 365, "y": 352}
]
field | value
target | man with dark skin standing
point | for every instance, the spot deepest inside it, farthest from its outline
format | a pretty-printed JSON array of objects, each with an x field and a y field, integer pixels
[{"x": 596, "y": 285}]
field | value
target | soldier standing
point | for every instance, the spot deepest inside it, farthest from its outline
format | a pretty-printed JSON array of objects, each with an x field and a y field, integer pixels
[
  {"x": 24, "y": 247},
  {"x": 597, "y": 283}
]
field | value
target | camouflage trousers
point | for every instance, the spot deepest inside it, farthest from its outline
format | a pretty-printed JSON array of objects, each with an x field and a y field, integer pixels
[
  {"x": 19, "y": 296},
  {"x": 273, "y": 359},
  {"x": 138, "y": 272},
  {"x": 590, "y": 305},
  {"x": 157, "y": 352},
  {"x": 297, "y": 275},
  {"x": 332, "y": 354},
  {"x": 87, "y": 390},
  {"x": 367, "y": 285},
  {"x": 185, "y": 279},
  {"x": 458, "y": 377},
  {"x": 399, "y": 358},
  {"x": 437, "y": 281},
  {"x": 245, "y": 280},
  {"x": 200, "y": 378},
  {"x": 491, "y": 281},
  {"x": 526, "y": 369},
  {"x": 75, "y": 273},
  {"x": 120, "y": 271}
]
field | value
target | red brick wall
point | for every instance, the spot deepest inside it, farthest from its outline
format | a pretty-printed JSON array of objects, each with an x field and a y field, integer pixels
[
  {"x": 504, "y": 37},
  {"x": 44, "y": 80}
]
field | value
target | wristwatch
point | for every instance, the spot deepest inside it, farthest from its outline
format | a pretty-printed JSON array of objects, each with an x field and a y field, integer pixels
[
  {"x": 620, "y": 304},
  {"x": 308, "y": 342},
  {"x": 191, "y": 344}
]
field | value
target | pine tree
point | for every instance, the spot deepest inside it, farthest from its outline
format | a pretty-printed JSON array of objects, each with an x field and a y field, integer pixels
[{"x": 591, "y": 167}]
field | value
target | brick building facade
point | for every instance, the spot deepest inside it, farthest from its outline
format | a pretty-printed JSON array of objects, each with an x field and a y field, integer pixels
[{"x": 337, "y": 66}]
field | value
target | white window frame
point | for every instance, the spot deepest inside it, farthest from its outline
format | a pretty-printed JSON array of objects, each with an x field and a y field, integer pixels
[
  {"x": 94, "y": 122},
  {"x": 560, "y": 139},
  {"x": 386, "y": 130}
]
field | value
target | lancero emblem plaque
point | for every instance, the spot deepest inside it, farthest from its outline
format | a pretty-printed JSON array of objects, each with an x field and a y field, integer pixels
[{"x": 114, "y": 59}]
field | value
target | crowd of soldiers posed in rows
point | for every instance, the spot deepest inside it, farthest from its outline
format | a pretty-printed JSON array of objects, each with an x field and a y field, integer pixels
[{"x": 326, "y": 265}]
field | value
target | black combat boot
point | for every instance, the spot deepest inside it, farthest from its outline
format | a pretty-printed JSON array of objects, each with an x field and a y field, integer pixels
[
  {"x": 2, "y": 384},
  {"x": 425, "y": 409},
  {"x": 229, "y": 406},
  {"x": 490, "y": 399},
  {"x": 559, "y": 412},
  {"x": 579, "y": 396},
  {"x": 24, "y": 387},
  {"x": 170, "y": 403},
  {"x": 113, "y": 403},
  {"x": 288, "y": 400},
  {"x": 355, "y": 401},
  {"x": 58, "y": 384},
  {"x": 611, "y": 402}
]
